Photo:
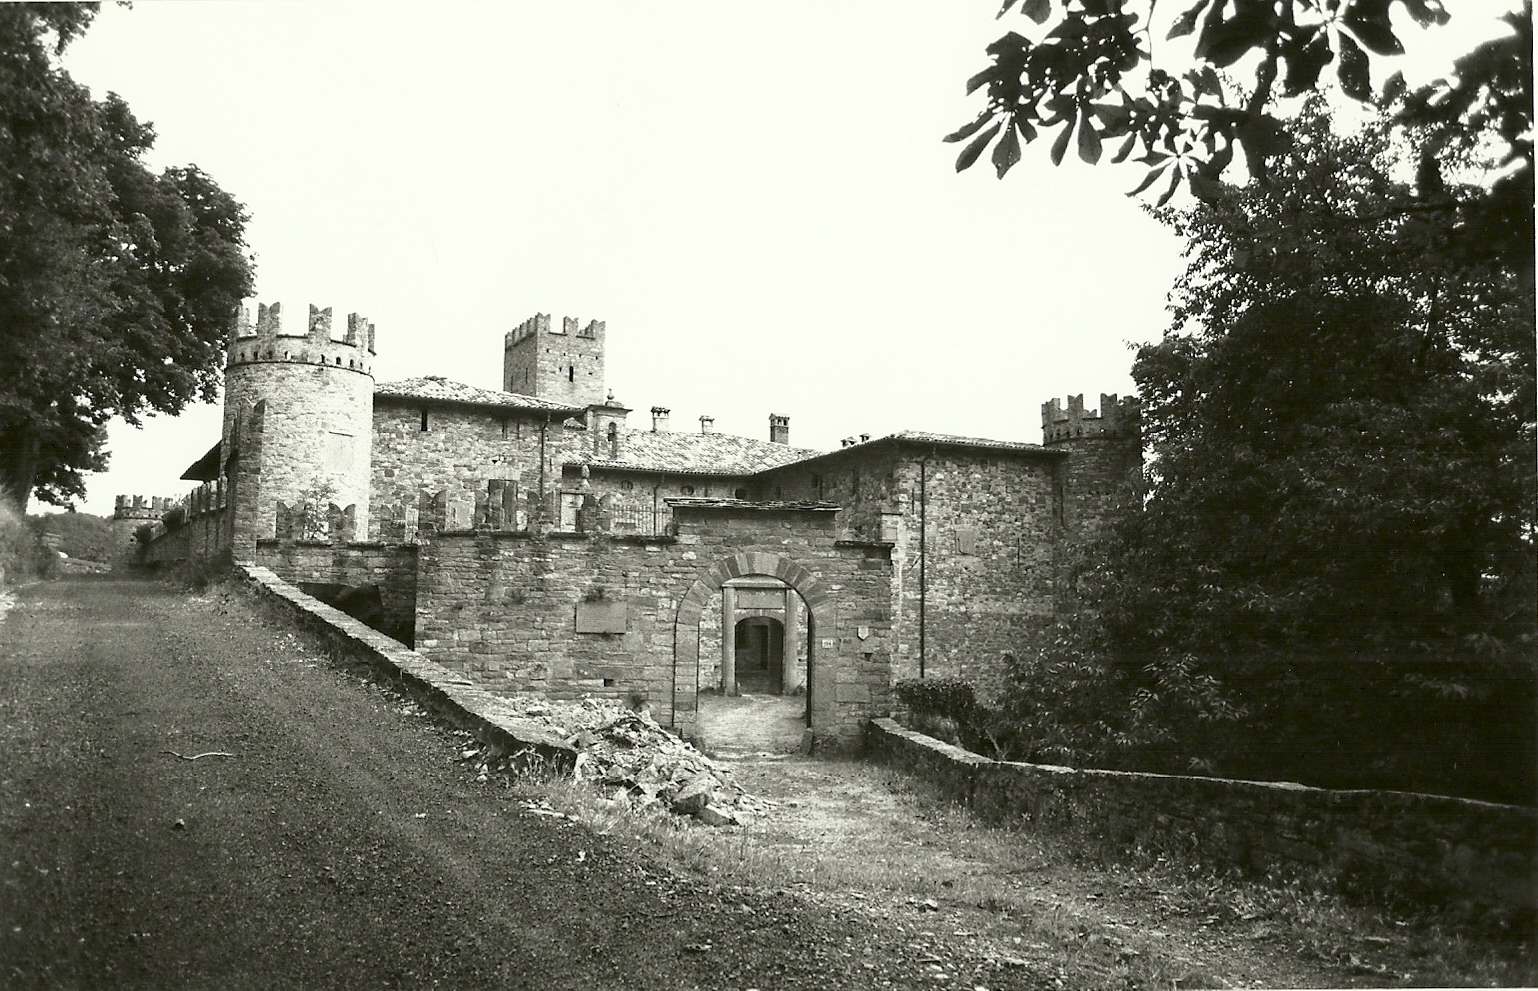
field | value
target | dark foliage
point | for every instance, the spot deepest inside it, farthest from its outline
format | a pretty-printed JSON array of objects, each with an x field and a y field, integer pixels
[
  {"x": 1088, "y": 76},
  {"x": 118, "y": 287}
]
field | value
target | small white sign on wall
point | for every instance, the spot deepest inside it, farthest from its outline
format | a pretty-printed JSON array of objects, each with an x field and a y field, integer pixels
[{"x": 828, "y": 644}]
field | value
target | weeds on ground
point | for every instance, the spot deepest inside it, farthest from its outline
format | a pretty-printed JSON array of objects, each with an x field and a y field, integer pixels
[{"x": 1105, "y": 922}]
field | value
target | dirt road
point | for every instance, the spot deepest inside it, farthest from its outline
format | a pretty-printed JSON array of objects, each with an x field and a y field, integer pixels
[{"x": 338, "y": 845}]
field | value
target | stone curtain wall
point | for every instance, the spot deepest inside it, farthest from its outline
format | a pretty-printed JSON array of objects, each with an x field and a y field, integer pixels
[
  {"x": 393, "y": 567},
  {"x": 201, "y": 538},
  {"x": 460, "y": 449},
  {"x": 987, "y": 586},
  {"x": 504, "y": 607},
  {"x": 1374, "y": 841},
  {"x": 501, "y": 608}
]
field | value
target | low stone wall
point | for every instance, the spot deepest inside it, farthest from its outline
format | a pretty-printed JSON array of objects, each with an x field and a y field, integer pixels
[
  {"x": 447, "y": 694},
  {"x": 393, "y": 567},
  {"x": 1371, "y": 841}
]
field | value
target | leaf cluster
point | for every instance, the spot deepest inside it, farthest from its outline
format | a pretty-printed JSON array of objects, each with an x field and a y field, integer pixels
[
  {"x": 118, "y": 286},
  {"x": 1091, "y": 77}
]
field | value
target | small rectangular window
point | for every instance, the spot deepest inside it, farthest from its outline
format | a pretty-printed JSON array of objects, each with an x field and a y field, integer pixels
[{"x": 424, "y": 419}]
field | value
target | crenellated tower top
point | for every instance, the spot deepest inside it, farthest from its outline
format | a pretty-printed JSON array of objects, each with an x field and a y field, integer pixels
[
  {"x": 267, "y": 342},
  {"x": 1115, "y": 419},
  {"x": 564, "y": 364},
  {"x": 140, "y": 507}
]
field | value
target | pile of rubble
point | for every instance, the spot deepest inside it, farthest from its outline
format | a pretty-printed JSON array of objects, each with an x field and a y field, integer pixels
[{"x": 628, "y": 753}]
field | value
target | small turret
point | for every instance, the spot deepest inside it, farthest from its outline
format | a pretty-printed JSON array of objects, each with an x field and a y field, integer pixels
[{"x": 141, "y": 507}]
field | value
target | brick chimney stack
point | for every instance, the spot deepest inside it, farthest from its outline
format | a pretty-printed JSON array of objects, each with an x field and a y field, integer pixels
[
  {"x": 779, "y": 429},
  {"x": 707, "y": 424},
  {"x": 660, "y": 419}
]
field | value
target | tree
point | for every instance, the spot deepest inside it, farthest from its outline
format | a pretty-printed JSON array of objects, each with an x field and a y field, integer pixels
[
  {"x": 1341, "y": 417},
  {"x": 1092, "y": 72},
  {"x": 118, "y": 287}
]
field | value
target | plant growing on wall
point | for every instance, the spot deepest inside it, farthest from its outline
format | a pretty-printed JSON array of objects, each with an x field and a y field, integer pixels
[{"x": 314, "y": 500}]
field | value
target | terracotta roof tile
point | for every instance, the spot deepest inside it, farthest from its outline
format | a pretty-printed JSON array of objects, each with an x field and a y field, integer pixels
[
  {"x": 698, "y": 454},
  {"x": 439, "y": 389}
]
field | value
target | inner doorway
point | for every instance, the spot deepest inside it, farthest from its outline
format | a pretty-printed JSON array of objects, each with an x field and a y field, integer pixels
[{"x": 761, "y": 656}]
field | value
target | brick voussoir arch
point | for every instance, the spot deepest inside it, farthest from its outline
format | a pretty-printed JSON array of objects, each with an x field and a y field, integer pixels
[
  {"x": 750, "y": 563},
  {"x": 692, "y": 607}
]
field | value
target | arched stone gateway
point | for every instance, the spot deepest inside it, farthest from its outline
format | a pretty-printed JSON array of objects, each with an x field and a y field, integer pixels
[{"x": 845, "y": 586}]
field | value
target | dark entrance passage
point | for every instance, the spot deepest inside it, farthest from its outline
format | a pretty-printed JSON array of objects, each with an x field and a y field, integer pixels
[{"x": 761, "y": 656}]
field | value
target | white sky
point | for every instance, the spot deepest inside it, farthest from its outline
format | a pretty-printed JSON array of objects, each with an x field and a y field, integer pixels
[{"x": 753, "y": 195}]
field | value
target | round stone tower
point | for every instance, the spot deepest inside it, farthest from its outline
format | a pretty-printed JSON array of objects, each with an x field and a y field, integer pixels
[
  {"x": 1105, "y": 454},
  {"x": 302, "y": 407}
]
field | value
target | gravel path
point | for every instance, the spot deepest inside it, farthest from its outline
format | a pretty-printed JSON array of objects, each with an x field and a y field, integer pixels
[{"x": 340, "y": 845}]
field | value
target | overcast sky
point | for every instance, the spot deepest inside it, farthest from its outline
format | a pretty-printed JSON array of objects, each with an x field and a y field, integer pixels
[{"x": 753, "y": 195}]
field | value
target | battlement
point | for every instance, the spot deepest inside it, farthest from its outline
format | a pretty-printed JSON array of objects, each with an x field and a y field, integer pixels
[
  {"x": 267, "y": 342},
  {"x": 141, "y": 507},
  {"x": 1116, "y": 418},
  {"x": 539, "y": 323}
]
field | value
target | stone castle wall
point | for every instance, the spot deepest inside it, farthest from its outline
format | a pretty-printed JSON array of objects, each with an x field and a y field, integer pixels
[
  {"x": 460, "y": 449},
  {"x": 393, "y": 567},
  {"x": 990, "y": 533},
  {"x": 982, "y": 587},
  {"x": 568, "y": 614}
]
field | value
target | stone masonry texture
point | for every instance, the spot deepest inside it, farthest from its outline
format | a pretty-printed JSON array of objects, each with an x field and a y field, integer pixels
[
  {"x": 1450, "y": 848},
  {"x": 501, "y": 607}
]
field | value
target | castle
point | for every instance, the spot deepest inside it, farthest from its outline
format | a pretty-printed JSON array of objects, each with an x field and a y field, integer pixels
[{"x": 533, "y": 539}]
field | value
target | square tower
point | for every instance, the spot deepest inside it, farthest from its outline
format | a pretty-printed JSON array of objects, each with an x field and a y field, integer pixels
[{"x": 564, "y": 366}]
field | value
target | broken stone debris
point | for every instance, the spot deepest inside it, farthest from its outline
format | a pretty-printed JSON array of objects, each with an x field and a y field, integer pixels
[{"x": 633, "y": 758}]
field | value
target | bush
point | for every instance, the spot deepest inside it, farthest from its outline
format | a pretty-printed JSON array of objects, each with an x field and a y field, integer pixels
[
  {"x": 82, "y": 536},
  {"x": 947, "y": 698},
  {"x": 23, "y": 557}
]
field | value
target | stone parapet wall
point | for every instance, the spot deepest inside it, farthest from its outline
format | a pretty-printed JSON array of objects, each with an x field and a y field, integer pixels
[
  {"x": 1372, "y": 841},
  {"x": 393, "y": 567},
  {"x": 444, "y": 692}
]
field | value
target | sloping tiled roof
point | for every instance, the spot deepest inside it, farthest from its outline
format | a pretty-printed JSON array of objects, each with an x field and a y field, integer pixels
[
  {"x": 698, "y": 454},
  {"x": 436, "y": 388},
  {"x": 923, "y": 438},
  {"x": 951, "y": 440}
]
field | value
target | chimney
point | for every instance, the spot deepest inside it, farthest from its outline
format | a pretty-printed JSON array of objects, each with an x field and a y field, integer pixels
[
  {"x": 864, "y": 438},
  {"x": 660, "y": 419},
  {"x": 707, "y": 424},
  {"x": 779, "y": 429}
]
